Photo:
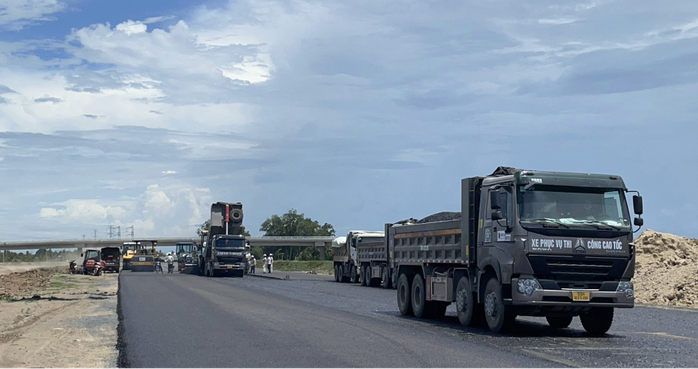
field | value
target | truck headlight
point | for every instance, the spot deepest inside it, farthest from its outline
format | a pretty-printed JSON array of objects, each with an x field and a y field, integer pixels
[
  {"x": 216, "y": 264},
  {"x": 526, "y": 286},
  {"x": 627, "y": 288}
]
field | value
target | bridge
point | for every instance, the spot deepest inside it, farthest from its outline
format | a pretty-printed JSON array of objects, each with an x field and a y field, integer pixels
[{"x": 293, "y": 241}]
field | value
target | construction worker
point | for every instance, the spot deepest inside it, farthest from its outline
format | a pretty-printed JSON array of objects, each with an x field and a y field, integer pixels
[
  {"x": 264, "y": 265},
  {"x": 170, "y": 262},
  {"x": 253, "y": 261},
  {"x": 270, "y": 261}
]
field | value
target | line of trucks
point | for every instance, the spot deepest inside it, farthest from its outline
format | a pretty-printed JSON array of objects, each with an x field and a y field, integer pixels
[{"x": 525, "y": 243}]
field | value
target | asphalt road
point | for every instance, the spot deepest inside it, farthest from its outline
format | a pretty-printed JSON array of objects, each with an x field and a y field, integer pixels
[{"x": 311, "y": 321}]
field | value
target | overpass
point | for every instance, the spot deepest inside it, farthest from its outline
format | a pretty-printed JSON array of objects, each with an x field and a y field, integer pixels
[{"x": 293, "y": 241}]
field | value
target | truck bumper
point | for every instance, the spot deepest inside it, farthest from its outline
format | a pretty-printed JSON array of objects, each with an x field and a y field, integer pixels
[
  {"x": 570, "y": 298},
  {"x": 229, "y": 267}
]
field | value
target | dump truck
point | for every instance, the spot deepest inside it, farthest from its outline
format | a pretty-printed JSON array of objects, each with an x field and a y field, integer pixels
[
  {"x": 526, "y": 242},
  {"x": 345, "y": 255},
  {"x": 222, "y": 250}
]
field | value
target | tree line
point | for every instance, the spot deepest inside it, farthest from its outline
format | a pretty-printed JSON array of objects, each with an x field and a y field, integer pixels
[
  {"x": 291, "y": 223},
  {"x": 38, "y": 255}
]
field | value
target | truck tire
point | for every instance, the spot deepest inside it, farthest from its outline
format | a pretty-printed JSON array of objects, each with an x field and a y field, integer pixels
[
  {"x": 499, "y": 316},
  {"x": 598, "y": 320},
  {"x": 403, "y": 295},
  {"x": 385, "y": 279},
  {"x": 464, "y": 301},
  {"x": 363, "y": 276},
  {"x": 559, "y": 321},
  {"x": 418, "y": 297},
  {"x": 336, "y": 274}
]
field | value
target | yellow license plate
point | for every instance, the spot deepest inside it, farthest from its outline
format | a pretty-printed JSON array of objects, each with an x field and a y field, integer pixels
[{"x": 580, "y": 296}]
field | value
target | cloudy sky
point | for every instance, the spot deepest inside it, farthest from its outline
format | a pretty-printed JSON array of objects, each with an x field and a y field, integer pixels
[{"x": 355, "y": 113}]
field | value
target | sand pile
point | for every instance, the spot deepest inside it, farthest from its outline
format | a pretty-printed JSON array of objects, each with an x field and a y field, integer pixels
[{"x": 666, "y": 269}]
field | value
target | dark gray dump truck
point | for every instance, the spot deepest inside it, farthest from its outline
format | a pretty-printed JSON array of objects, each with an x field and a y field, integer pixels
[
  {"x": 223, "y": 252},
  {"x": 527, "y": 243}
]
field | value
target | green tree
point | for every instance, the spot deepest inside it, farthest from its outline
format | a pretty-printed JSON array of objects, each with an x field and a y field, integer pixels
[{"x": 294, "y": 224}]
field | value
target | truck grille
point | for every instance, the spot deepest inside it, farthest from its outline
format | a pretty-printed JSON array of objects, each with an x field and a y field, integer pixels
[{"x": 579, "y": 272}]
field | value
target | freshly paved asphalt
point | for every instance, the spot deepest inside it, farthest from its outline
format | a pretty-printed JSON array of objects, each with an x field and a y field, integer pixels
[{"x": 181, "y": 320}]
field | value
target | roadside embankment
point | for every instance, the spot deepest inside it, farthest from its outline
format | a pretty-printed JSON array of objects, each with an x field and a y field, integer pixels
[{"x": 49, "y": 318}]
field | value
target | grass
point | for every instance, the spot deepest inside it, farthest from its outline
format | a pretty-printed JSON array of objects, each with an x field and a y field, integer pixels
[
  {"x": 6, "y": 297},
  {"x": 317, "y": 266},
  {"x": 61, "y": 285}
]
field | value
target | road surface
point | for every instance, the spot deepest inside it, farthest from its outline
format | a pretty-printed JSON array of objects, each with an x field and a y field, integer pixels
[{"x": 312, "y": 321}]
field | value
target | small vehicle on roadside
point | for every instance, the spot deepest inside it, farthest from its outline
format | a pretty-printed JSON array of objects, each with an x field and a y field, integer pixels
[
  {"x": 112, "y": 258},
  {"x": 73, "y": 267},
  {"x": 92, "y": 262}
]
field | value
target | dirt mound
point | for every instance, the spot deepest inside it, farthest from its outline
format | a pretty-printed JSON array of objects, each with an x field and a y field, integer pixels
[
  {"x": 666, "y": 269},
  {"x": 26, "y": 282}
]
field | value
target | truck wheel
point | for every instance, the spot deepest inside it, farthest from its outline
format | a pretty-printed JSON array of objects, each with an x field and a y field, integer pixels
[
  {"x": 354, "y": 276},
  {"x": 597, "y": 321},
  {"x": 418, "y": 297},
  {"x": 464, "y": 301},
  {"x": 559, "y": 321},
  {"x": 403, "y": 295},
  {"x": 336, "y": 274},
  {"x": 385, "y": 279},
  {"x": 499, "y": 316}
]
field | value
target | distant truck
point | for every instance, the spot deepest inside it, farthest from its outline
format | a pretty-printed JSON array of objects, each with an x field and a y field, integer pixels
[
  {"x": 186, "y": 255},
  {"x": 357, "y": 257},
  {"x": 112, "y": 258},
  {"x": 222, "y": 249},
  {"x": 526, "y": 242}
]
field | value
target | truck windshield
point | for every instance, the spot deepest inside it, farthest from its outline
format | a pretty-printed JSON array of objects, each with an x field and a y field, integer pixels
[
  {"x": 229, "y": 243},
  {"x": 185, "y": 248},
  {"x": 573, "y": 205}
]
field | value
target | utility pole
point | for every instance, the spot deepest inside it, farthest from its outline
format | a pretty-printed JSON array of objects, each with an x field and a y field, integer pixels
[
  {"x": 118, "y": 232},
  {"x": 127, "y": 231},
  {"x": 111, "y": 231}
]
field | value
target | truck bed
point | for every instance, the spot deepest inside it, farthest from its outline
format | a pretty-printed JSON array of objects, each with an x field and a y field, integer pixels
[
  {"x": 431, "y": 242},
  {"x": 372, "y": 251}
]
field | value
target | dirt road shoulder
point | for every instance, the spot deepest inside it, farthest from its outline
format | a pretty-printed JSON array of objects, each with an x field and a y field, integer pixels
[{"x": 67, "y": 321}]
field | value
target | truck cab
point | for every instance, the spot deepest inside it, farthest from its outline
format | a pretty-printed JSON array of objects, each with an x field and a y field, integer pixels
[
  {"x": 226, "y": 254},
  {"x": 186, "y": 254}
]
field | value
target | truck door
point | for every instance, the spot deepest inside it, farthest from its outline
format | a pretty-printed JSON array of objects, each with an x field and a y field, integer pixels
[{"x": 496, "y": 201}]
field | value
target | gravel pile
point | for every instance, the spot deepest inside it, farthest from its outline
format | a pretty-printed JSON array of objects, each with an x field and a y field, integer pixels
[{"x": 440, "y": 217}]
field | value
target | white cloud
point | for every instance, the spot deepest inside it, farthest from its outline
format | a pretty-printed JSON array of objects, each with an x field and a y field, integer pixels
[
  {"x": 166, "y": 172},
  {"x": 17, "y": 14},
  {"x": 130, "y": 27},
  {"x": 81, "y": 210}
]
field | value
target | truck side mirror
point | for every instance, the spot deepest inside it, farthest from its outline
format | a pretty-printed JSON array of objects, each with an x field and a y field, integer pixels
[
  {"x": 494, "y": 200},
  {"x": 637, "y": 204},
  {"x": 496, "y": 215},
  {"x": 638, "y": 221}
]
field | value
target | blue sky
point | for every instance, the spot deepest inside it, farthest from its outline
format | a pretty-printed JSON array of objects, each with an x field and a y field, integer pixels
[{"x": 354, "y": 113}]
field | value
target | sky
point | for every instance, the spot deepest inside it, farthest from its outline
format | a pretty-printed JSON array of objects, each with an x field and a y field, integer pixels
[{"x": 355, "y": 113}]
